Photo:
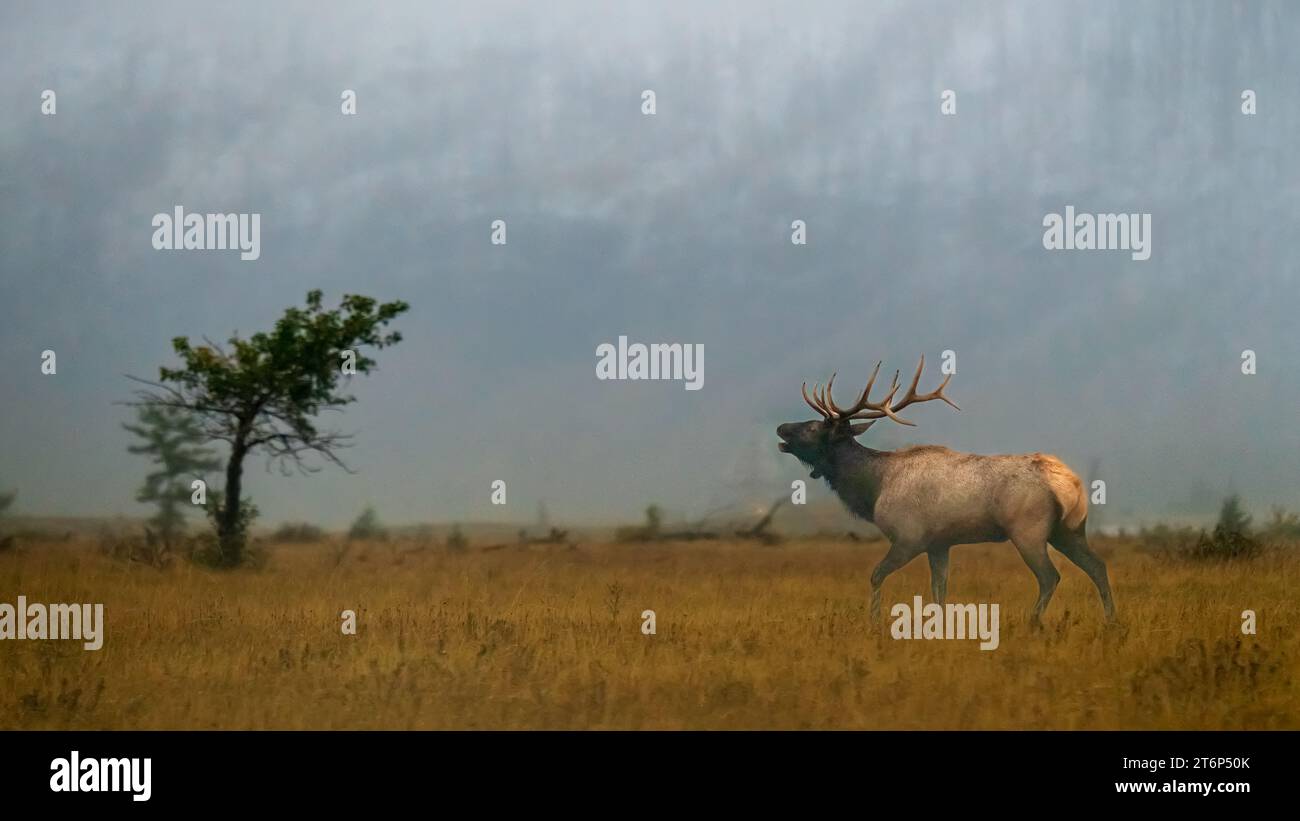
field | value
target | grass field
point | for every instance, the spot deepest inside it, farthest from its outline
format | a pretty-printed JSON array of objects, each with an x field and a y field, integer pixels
[{"x": 747, "y": 637}]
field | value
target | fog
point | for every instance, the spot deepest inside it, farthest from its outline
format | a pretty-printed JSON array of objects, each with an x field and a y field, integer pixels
[{"x": 924, "y": 235}]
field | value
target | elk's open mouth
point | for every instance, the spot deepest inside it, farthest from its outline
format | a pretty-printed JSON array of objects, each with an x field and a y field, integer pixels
[{"x": 784, "y": 447}]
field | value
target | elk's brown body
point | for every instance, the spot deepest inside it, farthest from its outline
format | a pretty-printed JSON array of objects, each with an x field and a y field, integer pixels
[{"x": 926, "y": 499}]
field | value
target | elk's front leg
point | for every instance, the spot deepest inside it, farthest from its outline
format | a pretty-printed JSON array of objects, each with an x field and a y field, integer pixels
[
  {"x": 900, "y": 553},
  {"x": 938, "y": 555}
]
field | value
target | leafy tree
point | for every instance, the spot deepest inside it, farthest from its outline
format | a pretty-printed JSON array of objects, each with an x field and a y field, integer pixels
[
  {"x": 456, "y": 541},
  {"x": 367, "y": 526},
  {"x": 1284, "y": 526},
  {"x": 1233, "y": 517},
  {"x": 6, "y": 499},
  {"x": 651, "y": 530},
  {"x": 654, "y": 519},
  {"x": 1232, "y": 537},
  {"x": 264, "y": 392},
  {"x": 174, "y": 442},
  {"x": 298, "y": 533}
]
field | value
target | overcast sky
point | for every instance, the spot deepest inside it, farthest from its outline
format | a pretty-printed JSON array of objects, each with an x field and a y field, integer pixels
[{"x": 924, "y": 234}]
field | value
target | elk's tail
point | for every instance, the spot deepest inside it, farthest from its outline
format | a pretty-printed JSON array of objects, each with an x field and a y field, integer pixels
[{"x": 1067, "y": 487}]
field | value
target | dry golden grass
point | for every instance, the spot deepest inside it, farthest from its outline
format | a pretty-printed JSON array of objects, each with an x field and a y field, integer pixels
[{"x": 748, "y": 637}]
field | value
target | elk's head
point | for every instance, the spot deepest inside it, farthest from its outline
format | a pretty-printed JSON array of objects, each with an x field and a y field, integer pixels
[{"x": 814, "y": 442}]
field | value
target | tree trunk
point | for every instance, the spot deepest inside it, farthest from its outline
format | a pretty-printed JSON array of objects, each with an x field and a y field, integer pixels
[
  {"x": 169, "y": 518},
  {"x": 229, "y": 536}
]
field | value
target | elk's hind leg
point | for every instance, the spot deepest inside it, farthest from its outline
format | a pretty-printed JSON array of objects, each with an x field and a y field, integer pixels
[
  {"x": 1033, "y": 549},
  {"x": 1074, "y": 546}
]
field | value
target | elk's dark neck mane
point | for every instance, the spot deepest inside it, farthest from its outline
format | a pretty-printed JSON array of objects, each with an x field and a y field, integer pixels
[{"x": 855, "y": 473}]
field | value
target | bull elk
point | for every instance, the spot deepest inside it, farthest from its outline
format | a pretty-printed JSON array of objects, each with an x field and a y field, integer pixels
[{"x": 927, "y": 498}]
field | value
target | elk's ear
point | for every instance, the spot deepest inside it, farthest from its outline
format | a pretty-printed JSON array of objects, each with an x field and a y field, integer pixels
[{"x": 859, "y": 428}]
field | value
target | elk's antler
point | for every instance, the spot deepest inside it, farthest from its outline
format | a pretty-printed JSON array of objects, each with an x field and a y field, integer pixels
[
  {"x": 826, "y": 414},
  {"x": 864, "y": 408}
]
